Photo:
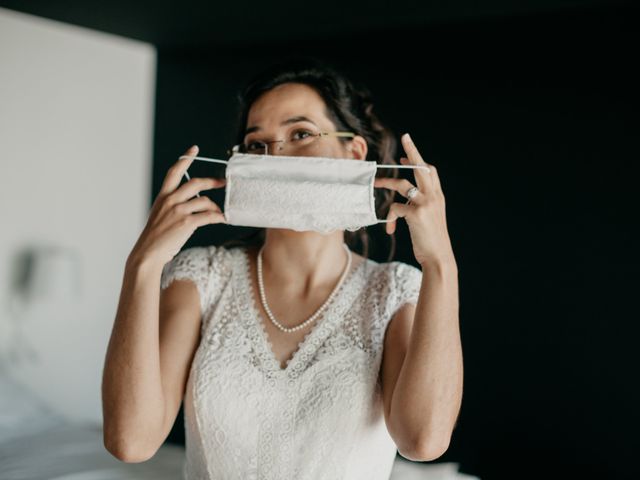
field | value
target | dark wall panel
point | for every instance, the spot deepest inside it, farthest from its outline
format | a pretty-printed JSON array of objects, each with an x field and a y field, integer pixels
[{"x": 532, "y": 126}]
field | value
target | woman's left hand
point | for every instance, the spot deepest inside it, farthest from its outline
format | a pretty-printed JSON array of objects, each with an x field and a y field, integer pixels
[{"x": 425, "y": 212}]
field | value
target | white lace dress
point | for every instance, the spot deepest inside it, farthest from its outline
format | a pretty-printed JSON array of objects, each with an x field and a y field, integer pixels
[{"x": 319, "y": 418}]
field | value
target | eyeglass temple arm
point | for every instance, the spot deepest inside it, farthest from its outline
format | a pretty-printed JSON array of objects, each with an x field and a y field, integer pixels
[
  {"x": 351, "y": 134},
  {"x": 339, "y": 134}
]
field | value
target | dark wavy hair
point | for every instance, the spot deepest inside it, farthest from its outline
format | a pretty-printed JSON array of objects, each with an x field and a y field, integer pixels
[{"x": 350, "y": 107}]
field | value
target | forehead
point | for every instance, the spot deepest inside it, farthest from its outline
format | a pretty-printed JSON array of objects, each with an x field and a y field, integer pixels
[{"x": 285, "y": 101}]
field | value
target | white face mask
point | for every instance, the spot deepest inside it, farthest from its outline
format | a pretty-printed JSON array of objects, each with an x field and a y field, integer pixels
[{"x": 321, "y": 194}]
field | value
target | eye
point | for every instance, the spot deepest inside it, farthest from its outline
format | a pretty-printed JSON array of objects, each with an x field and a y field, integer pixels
[
  {"x": 303, "y": 134},
  {"x": 255, "y": 145}
]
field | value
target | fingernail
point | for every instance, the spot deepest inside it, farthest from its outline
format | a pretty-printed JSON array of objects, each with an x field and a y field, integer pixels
[
  {"x": 408, "y": 136},
  {"x": 193, "y": 146}
]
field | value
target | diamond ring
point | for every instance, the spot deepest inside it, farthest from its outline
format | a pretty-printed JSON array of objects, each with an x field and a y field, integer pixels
[{"x": 413, "y": 191}]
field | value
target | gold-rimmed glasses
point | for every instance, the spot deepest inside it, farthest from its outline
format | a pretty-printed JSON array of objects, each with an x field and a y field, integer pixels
[{"x": 297, "y": 145}]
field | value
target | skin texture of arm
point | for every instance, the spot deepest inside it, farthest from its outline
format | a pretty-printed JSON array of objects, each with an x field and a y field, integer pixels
[
  {"x": 152, "y": 344},
  {"x": 422, "y": 368}
]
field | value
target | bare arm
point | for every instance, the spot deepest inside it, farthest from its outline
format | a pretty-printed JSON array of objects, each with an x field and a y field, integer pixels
[
  {"x": 423, "y": 368},
  {"x": 132, "y": 397},
  {"x": 147, "y": 362},
  {"x": 155, "y": 333},
  {"x": 423, "y": 371}
]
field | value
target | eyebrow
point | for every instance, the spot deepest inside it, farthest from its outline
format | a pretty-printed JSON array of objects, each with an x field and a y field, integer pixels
[{"x": 299, "y": 118}]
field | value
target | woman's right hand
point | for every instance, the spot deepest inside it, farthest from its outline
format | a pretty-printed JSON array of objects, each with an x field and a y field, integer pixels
[{"x": 173, "y": 217}]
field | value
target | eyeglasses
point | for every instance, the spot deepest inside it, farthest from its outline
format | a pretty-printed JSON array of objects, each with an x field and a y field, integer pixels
[{"x": 302, "y": 142}]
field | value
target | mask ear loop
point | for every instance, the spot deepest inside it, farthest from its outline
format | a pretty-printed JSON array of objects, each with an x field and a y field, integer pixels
[
  {"x": 396, "y": 166},
  {"x": 204, "y": 159},
  {"x": 213, "y": 160}
]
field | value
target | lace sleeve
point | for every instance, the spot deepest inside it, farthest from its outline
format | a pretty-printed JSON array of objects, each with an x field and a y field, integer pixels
[
  {"x": 192, "y": 264},
  {"x": 406, "y": 282}
]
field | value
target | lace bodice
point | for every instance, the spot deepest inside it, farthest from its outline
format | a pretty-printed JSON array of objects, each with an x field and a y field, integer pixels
[{"x": 319, "y": 418}]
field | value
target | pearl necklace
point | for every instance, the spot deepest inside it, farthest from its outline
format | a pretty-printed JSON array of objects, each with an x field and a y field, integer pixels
[{"x": 263, "y": 297}]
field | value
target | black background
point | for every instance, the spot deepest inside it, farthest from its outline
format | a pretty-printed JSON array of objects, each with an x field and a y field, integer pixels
[
  {"x": 533, "y": 130},
  {"x": 531, "y": 121}
]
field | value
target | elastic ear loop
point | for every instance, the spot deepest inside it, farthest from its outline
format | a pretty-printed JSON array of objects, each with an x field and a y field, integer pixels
[
  {"x": 213, "y": 160},
  {"x": 204, "y": 159}
]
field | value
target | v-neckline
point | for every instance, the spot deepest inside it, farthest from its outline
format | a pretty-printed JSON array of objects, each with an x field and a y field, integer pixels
[{"x": 320, "y": 330}]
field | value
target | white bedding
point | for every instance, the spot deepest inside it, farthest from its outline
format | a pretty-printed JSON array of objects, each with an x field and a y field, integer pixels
[
  {"x": 38, "y": 444},
  {"x": 75, "y": 451}
]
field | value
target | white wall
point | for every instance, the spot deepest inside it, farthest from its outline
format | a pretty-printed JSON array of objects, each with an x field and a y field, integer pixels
[{"x": 76, "y": 123}]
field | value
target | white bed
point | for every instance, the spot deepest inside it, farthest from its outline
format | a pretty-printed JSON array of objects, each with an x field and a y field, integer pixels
[{"x": 38, "y": 444}]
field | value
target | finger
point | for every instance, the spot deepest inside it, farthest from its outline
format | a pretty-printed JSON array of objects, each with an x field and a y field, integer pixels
[
  {"x": 400, "y": 185},
  {"x": 199, "y": 204},
  {"x": 396, "y": 210},
  {"x": 433, "y": 172},
  {"x": 422, "y": 175},
  {"x": 207, "y": 218},
  {"x": 390, "y": 227},
  {"x": 195, "y": 186},
  {"x": 435, "y": 177},
  {"x": 177, "y": 171}
]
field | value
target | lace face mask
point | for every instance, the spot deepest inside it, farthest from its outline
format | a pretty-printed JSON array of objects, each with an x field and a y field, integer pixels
[{"x": 320, "y": 194}]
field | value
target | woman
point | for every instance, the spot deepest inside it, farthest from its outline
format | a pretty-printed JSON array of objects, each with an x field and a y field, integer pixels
[{"x": 295, "y": 384}]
